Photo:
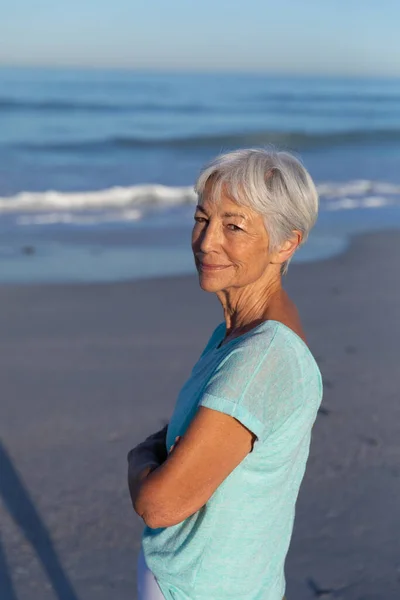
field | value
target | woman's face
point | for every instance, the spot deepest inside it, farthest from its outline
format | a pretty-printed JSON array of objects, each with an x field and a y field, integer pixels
[{"x": 229, "y": 243}]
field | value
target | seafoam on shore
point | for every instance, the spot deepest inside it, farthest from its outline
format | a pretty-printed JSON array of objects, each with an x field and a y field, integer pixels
[{"x": 136, "y": 202}]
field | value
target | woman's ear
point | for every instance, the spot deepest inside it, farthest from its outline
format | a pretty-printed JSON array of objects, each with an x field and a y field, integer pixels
[{"x": 287, "y": 248}]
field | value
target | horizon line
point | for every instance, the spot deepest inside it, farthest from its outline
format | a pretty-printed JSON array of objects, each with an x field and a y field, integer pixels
[{"x": 197, "y": 71}]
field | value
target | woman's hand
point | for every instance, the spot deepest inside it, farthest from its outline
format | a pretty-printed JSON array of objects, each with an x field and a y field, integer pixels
[
  {"x": 156, "y": 443},
  {"x": 144, "y": 458}
]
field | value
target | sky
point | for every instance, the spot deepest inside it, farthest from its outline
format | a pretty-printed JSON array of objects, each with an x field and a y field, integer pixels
[{"x": 330, "y": 37}]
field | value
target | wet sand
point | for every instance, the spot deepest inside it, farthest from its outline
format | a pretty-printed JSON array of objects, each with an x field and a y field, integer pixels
[{"x": 88, "y": 371}]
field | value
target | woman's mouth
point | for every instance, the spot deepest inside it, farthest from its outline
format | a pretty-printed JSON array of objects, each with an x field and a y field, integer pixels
[{"x": 207, "y": 267}]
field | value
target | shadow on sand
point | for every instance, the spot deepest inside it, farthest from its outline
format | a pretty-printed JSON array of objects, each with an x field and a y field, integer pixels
[{"x": 19, "y": 504}]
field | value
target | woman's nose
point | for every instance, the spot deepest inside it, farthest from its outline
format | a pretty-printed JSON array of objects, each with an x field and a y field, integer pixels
[{"x": 209, "y": 238}]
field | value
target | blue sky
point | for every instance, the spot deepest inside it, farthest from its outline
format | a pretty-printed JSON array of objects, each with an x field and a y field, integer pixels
[{"x": 289, "y": 36}]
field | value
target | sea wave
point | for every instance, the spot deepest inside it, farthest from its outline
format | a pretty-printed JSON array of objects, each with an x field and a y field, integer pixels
[
  {"x": 289, "y": 139},
  {"x": 238, "y": 104},
  {"x": 45, "y": 106},
  {"x": 113, "y": 198},
  {"x": 74, "y": 218},
  {"x": 122, "y": 204},
  {"x": 328, "y": 98}
]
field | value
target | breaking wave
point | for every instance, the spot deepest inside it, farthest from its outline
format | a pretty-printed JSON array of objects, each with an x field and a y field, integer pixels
[{"x": 133, "y": 203}]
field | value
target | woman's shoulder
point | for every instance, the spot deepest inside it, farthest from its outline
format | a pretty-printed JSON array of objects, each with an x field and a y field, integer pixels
[
  {"x": 267, "y": 335},
  {"x": 273, "y": 342},
  {"x": 285, "y": 337},
  {"x": 288, "y": 342},
  {"x": 269, "y": 363}
]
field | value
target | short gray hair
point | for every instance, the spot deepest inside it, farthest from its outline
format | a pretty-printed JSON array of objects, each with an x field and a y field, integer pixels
[{"x": 274, "y": 184}]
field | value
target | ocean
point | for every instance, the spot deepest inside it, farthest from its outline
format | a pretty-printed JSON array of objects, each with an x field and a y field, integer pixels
[{"x": 97, "y": 167}]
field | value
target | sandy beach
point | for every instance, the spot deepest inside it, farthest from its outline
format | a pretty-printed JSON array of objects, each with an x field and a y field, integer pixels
[{"x": 88, "y": 371}]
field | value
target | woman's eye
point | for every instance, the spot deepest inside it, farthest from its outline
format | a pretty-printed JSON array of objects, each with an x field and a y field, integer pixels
[
  {"x": 234, "y": 227},
  {"x": 199, "y": 219}
]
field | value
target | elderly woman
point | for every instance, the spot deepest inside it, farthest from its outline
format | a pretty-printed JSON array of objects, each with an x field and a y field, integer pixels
[{"x": 219, "y": 508}]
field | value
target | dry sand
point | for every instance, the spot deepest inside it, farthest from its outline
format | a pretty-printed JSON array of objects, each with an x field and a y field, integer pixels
[{"x": 89, "y": 371}]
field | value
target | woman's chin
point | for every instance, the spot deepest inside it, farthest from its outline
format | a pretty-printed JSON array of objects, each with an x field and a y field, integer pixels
[{"x": 209, "y": 284}]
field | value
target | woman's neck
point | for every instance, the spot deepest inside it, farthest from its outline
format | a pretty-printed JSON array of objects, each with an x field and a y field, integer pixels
[{"x": 245, "y": 308}]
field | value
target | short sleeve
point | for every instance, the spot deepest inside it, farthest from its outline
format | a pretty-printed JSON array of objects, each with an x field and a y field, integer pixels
[{"x": 264, "y": 383}]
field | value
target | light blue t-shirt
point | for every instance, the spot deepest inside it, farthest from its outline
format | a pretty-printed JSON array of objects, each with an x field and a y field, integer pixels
[{"x": 234, "y": 547}]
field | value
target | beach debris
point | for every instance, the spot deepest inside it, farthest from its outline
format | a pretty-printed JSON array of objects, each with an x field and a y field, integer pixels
[
  {"x": 28, "y": 250},
  {"x": 320, "y": 592},
  {"x": 327, "y": 384},
  {"x": 371, "y": 441},
  {"x": 317, "y": 590},
  {"x": 350, "y": 349}
]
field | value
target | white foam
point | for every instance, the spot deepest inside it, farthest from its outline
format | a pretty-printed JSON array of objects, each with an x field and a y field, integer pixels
[
  {"x": 352, "y": 203},
  {"x": 79, "y": 219},
  {"x": 343, "y": 204},
  {"x": 376, "y": 202},
  {"x": 360, "y": 187},
  {"x": 132, "y": 203},
  {"x": 116, "y": 197}
]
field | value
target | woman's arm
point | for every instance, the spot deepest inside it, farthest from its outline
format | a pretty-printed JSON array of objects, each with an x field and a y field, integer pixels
[
  {"x": 138, "y": 469},
  {"x": 212, "y": 446}
]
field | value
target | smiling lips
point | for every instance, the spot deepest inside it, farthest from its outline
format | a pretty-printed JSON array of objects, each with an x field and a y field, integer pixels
[{"x": 206, "y": 267}]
